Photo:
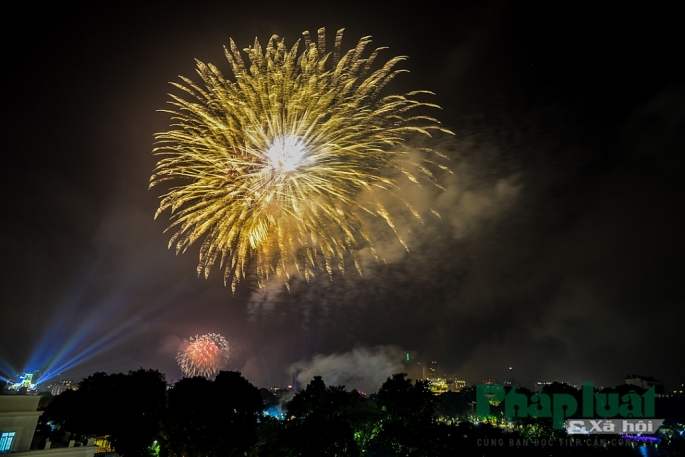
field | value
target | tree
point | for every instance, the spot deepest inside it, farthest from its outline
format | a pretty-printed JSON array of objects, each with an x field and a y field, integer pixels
[
  {"x": 141, "y": 411},
  {"x": 211, "y": 418},
  {"x": 325, "y": 421},
  {"x": 270, "y": 400},
  {"x": 409, "y": 425},
  {"x": 458, "y": 405},
  {"x": 126, "y": 407},
  {"x": 408, "y": 403}
]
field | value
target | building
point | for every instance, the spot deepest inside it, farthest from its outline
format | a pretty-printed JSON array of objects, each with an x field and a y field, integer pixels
[
  {"x": 645, "y": 382},
  {"x": 18, "y": 420},
  {"x": 281, "y": 392},
  {"x": 296, "y": 381},
  {"x": 438, "y": 386},
  {"x": 28, "y": 382},
  {"x": 425, "y": 372},
  {"x": 433, "y": 370},
  {"x": 456, "y": 384},
  {"x": 60, "y": 386},
  {"x": 538, "y": 386},
  {"x": 679, "y": 391}
]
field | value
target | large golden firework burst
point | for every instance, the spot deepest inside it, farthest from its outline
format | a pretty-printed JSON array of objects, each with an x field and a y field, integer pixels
[{"x": 284, "y": 163}]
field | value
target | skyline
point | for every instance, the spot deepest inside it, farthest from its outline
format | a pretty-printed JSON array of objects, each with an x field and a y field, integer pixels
[
  {"x": 302, "y": 376},
  {"x": 559, "y": 247}
]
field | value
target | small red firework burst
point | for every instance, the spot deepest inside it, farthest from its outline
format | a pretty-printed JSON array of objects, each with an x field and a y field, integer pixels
[{"x": 203, "y": 355}]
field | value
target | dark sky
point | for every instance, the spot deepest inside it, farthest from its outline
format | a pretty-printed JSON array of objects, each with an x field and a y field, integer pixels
[{"x": 559, "y": 252}]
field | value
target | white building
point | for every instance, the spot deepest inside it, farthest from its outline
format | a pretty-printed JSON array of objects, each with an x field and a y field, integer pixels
[
  {"x": 18, "y": 419},
  {"x": 60, "y": 386}
]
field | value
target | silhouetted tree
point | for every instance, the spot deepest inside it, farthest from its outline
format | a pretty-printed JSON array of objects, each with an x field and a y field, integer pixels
[
  {"x": 321, "y": 421},
  {"x": 126, "y": 407},
  {"x": 45, "y": 399},
  {"x": 409, "y": 418},
  {"x": 272, "y": 437},
  {"x": 457, "y": 405},
  {"x": 408, "y": 403},
  {"x": 64, "y": 409},
  {"x": 211, "y": 418},
  {"x": 270, "y": 400},
  {"x": 143, "y": 403}
]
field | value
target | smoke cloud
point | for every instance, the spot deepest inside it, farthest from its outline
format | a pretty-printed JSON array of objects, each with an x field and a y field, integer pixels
[
  {"x": 474, "y": 193},
  {"x": 364, "y": 369}
]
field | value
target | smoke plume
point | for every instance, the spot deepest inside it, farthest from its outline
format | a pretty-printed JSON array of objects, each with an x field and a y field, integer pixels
[{"x": 362, "y": 368}]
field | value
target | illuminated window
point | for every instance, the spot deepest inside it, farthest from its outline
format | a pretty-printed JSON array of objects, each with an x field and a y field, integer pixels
[{"x": 6, "y": 441}]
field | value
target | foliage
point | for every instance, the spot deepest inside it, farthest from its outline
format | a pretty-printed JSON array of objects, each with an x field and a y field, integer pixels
[
  {"x": 223, "y": 418},
  {"x": 409, "y": 420},
  {"x": 321, "y": 421},
  {"x": 126, "y": 407},
  {"x": 45, "y": 399},
  {"x": 211, "y": 418}
]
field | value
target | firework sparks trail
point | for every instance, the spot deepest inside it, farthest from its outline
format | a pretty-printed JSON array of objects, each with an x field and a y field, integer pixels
[
  {"x": 204, "y": 355},
  {"x": 287, "y": 162}
]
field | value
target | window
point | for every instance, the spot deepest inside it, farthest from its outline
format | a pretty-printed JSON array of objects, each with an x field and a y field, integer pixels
[{"x": 6, "y": 441}]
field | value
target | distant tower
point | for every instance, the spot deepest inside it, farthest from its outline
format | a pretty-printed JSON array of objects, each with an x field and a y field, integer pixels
[
  {"x": 296, "y": 382},
  {"x": 26, "y": 380},
  {"x": 433, "y": 370}
]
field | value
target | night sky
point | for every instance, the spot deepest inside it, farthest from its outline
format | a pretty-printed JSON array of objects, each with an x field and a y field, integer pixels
[{"x": 559, "y": 251}]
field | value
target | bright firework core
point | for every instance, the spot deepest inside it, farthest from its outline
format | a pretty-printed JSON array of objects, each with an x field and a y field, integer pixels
[
  {"x": 286, "y": 154},
  {"x": 290, "y": 163},
  {"x": 204, "y": 351},
  {"x": 204, "y": 355}
]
